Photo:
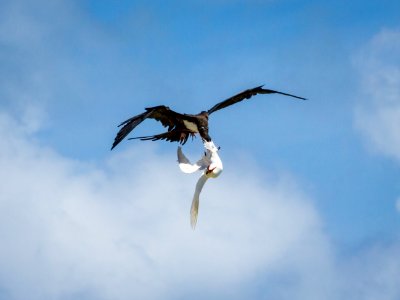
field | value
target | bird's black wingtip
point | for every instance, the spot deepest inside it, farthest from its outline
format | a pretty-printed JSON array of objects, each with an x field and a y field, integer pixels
[
  {"x": 268, "y": 91},
  {"x": 114, "y": 145}
]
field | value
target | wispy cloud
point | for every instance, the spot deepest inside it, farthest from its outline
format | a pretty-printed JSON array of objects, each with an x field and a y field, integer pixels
[
  {"x": 378, "y": 112},
  {"x": 377, "y": 115}
]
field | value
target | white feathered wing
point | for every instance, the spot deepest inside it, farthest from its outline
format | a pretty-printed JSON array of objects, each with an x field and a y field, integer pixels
[{"x": 187, "y": 167}]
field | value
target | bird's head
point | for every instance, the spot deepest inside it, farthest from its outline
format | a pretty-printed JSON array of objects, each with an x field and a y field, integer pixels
[
  {"x": 215, "y": 167},
  {"x": 210, "y": 146},
  {"x": 204, "y": 113},
  {"x": 213, "y": 170}
]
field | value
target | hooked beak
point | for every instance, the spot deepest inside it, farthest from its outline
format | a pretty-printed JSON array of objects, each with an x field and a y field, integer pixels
[{"x": 209, "y": 170}]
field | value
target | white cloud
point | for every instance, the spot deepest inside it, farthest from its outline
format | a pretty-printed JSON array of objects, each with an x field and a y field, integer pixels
[
  {"x": 378, "y": 112},
  {"x": 122, "y": 231},
  {"x": 377, "y": 115},
  {"x": 69, "y": 229},
  {"x": 375, "y": 273}
]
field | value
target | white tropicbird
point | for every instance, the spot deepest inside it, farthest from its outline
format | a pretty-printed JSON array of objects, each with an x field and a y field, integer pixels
[{"x": 212, "y": 166}]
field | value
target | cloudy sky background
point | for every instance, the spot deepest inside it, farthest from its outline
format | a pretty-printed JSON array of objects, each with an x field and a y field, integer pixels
[{"x": 308, "y": 206}]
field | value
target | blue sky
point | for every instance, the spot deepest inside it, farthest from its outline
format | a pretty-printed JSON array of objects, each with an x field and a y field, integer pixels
[{"x": 309, "y": 201}]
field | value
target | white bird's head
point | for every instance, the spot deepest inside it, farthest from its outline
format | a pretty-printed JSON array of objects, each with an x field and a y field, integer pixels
[{"x": 215, "y": 168}]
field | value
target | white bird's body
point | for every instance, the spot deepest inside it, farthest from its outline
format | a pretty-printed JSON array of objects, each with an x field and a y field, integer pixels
[{"x": 212, "y": 166}]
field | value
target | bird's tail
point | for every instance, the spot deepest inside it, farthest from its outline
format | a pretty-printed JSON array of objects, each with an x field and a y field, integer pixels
[{"x": 194, "y": 210}]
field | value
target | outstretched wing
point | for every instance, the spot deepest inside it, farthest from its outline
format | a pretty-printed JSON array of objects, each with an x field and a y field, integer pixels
[
  {"x": 187, "y": 167},
  {"x": 177, "y": 134},
  {"x": 247, "y": 94},
  {"x": 163, "y": 114}
]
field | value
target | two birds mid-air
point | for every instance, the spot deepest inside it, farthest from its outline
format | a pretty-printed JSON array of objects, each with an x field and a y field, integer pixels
[{"x": 182, "y": 126}]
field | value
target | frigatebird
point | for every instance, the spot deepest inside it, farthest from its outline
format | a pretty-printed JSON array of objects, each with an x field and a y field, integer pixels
[{"x": 181, "y": 126}]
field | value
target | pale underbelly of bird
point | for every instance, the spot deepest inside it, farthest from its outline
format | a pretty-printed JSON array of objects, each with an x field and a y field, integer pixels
[{"x": 191, "y": 126}]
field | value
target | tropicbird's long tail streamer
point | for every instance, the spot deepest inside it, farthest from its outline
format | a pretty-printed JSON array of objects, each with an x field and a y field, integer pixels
[
  {"x": 212, "y": 166},
  {"x": 194, "y": 209}
]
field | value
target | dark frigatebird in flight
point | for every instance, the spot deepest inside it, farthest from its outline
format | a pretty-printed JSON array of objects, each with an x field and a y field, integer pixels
[{"x": 181, "y": 126}]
